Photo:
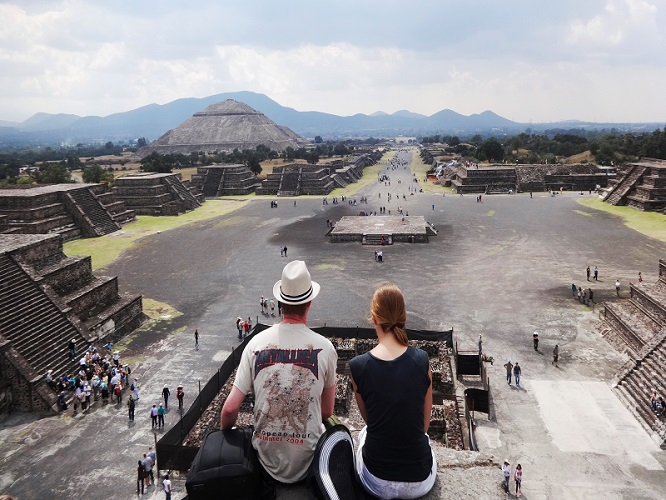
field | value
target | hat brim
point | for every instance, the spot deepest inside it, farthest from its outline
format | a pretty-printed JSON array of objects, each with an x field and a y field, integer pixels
[{"x": 298, "y": 299}]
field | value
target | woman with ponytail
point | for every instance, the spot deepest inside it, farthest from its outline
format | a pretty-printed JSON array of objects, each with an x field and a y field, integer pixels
[{"x": 393, "y": 389}]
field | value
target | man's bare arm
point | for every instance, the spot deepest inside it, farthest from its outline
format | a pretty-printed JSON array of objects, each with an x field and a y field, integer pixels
[
  {"x": 327, "y": 402},
  {"x": 232, "y": 405}
]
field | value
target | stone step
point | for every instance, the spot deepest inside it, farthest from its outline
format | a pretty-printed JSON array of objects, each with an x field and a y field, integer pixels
[
  {"x": 26, "y": 333},
  {"x": 655, "y": 375},
  {"x": 51, "y": 343},
  {"x": 20, "y": 309},
  {"x": 637, "y": 390},
  {"x": 642, "y": 411}
]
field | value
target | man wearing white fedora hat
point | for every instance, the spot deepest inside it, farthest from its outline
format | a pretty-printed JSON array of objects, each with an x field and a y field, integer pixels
[{"x": 291, "y": 371}]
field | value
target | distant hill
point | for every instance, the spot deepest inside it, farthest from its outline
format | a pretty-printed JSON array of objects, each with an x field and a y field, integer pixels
[{"x": 154, "y": 120}]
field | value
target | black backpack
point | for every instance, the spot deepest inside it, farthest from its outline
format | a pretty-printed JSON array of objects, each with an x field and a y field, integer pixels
[{"x": 226, "y": 466}]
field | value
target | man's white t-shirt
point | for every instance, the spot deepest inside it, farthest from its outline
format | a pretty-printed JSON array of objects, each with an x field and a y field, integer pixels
[{"x": 287, "y": 367}]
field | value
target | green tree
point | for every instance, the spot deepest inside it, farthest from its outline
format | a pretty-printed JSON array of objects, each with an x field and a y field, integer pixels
[
  {"x": 476, "y": 140},
  {"x": 491, "y": 149},
  {"x": 96, "y": 174},
  {"x": 54, "y": 173},
  {"x": 318, "y": 139},
  {"x": 254, "y": 165},
  {"x": 141, "y": 142},
  {"x": 341, "y": 149},
  {"x": 74, "y": 162},
  {"x": 156, "y": 162}
]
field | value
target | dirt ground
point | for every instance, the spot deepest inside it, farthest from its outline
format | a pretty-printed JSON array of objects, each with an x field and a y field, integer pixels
[{"x": 502, "y": 268}]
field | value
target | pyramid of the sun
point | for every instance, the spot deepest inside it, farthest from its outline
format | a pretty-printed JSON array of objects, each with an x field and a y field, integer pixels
[{"x": 224, "y": 126}]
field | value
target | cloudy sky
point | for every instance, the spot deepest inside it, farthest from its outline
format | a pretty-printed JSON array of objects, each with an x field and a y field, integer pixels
[{"x": 527, "y": 60}]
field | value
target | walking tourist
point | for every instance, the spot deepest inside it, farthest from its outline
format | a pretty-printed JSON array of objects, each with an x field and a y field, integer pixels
[
  {"x": 518, "y": 477},
  {"x": 596, "y": 273},
  {"x": 587, "y": 271},
  {"x": 509, "y": 367},
  {"x": 140, "y": 476},
  {"x": 480, "y": 345},
  {"x": 617, "y": 287},
  {"x": 167, "y": 483},
  {"x": 165, "y": 394},
  {"x": 506, "y": 470},
  {"x": 147, "y": 468},
  {"x": 180, "y": 395},
  {"x": 556, "y": 354},
  {"x": 135, "y": 388},
  {"x": 196, "y": 339},
  {"x": 131, "y": 404},
  {"x": 153, "y": 416},
  {"x": 516, "y": 373},
  {"x": 535, "y": 340},
  {"x": 239, "y": 327},
  {"x": 160, "y": 417}
]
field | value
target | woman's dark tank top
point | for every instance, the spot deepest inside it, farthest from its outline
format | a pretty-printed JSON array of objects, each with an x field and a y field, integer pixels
[{"x": 396, "y": 447}]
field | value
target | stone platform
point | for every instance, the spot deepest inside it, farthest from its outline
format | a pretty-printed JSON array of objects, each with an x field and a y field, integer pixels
[{"x": 370, "y": 229}]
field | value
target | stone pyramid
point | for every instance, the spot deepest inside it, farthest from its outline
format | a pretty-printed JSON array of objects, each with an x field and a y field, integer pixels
[{"x": 224, "y": 126}]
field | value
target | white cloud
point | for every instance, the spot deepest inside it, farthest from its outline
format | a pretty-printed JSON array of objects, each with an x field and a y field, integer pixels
[
  {"x": 623, "y": 24},
  {"x": 525, "y": 59}
]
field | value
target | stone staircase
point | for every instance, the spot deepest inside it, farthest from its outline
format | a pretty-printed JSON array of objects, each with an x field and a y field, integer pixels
[
  {"x": 180, "y": 192},
  {"x": 211, "y": 185},
  {"x": 636, "y": 384},
  {"x": 339, "y": 181},
  {"x": 631, "y": 324},
  {"x": 116, "y": 208},
  {"x": 101, "y": 220},
  {"x": 638, "y": 327},
  {"x": 617, "y": 196},
  {"x": 37, "y": 329},
  {"x": 376, "y": 239},
  {"x": 289, "y": 184}
]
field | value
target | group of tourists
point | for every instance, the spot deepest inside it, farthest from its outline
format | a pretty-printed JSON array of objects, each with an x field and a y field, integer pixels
[
  {"x": 584, "y": 296},
  {"x": 267, "y": 305},
  {"x": 392, "y": 384},
  {"x": 146, "y": 477},
  {"x": 98, "y": 377},
  {"x": 243, "y": 327}
]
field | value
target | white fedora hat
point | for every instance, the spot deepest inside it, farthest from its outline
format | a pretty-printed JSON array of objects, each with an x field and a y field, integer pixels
[{"x": 296, "y": 287}]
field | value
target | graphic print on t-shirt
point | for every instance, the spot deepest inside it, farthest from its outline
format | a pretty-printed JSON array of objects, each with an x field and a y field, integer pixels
[
  {"x": 287, "y": 391},
  {"x": 304, "y": 358},
  {"x": 288, "y": 378}
]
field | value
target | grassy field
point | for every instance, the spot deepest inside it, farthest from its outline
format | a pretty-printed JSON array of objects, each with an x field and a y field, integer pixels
[
  {"x": 650, "y": 224},
  {"x": 421, "y": 169},
  {"x": 106, "y": 249}
]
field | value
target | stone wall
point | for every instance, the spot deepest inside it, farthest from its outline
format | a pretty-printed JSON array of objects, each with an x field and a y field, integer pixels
[{"x": 29, "y": 392}]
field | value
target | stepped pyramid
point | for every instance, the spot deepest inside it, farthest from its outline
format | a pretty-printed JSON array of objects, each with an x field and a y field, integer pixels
[{"x": 224, "y": 126}]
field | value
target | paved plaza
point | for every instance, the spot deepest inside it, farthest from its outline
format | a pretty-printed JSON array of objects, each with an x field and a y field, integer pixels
[{"x": 502, "y": 268}]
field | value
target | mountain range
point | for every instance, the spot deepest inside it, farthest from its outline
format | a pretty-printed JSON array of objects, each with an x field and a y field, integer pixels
[{"x": 153, "y": 120}]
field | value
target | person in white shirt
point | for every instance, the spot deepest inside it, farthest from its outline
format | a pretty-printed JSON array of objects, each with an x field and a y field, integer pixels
[
  {"x": 167, "y": 487},
  {"x": 506, "y": 470}
]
